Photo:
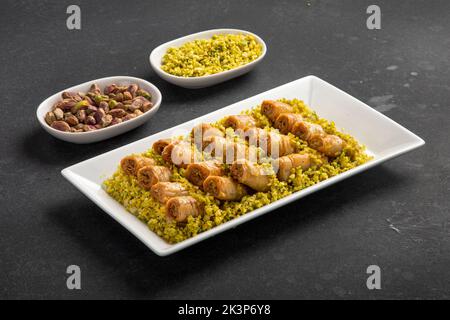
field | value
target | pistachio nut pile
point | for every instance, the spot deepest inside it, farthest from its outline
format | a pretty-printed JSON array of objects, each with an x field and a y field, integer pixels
[{"x": 93, "y": 110}]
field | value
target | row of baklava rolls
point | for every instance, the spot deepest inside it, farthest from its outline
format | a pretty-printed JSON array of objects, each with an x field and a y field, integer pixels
[
  {"x": 283, "y": 118},
  {"x": 157, "y": 179},
  {"x": 246, "y": 175}
]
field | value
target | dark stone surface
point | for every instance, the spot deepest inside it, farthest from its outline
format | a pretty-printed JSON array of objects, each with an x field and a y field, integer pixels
[{"x": 318, "y": 247}]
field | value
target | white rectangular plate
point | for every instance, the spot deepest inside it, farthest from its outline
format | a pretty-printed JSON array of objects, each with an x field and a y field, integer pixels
[{"x": 384, "y": 139}]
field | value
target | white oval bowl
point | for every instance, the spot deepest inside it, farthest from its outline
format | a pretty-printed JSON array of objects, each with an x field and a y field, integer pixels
[
  {"x": 203, "y": 81},
  {"x": 104, "y": 133}
]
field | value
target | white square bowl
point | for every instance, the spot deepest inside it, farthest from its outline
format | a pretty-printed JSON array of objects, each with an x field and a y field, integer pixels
[{"x": 384, "y": 139}]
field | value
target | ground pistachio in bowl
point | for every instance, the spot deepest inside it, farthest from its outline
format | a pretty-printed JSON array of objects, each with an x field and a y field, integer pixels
[
  {"x": 93, "y": 110},
  {"x": 202, "y": 57}
]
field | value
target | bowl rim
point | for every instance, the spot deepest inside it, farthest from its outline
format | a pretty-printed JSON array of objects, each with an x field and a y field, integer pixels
[
  {"x": 156, "y": 66},
  {"x": 155, "y": 107}
]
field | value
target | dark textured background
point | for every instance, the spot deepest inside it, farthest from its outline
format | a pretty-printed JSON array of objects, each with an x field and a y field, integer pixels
[{"x": 318, "y": 247}]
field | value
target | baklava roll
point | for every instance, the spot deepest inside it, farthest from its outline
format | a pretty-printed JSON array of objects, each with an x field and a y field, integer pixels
[
  {"x": 196, "y": 173},
  {"x": 252, "y": 135},
  {"x": 203, "y": 132},
  {"x": 163, "y": 191},
  {"x": 285, "y": 122},
  {"x": 272, "y": 143},
  {"x": 179, "y": 153},
  {"x": 224, "y": 188},
  {"x": 150, "y": 175},
  {"x": 279, "y": 145},
  {"x": 306, "y": 130},
  {"x": 283, "y": 165},
  {"x": 251, "y": 174},
  {"x": 158, "y": 146},
  {"x": 131, "y": 164},
  {"x": 272, "y": 109},
  {"x": 330, "y": 145},
  {"x": 241, "y": 122},
  {"x": 226, "y": 150},
  {"x": 256, "y": 138},
  {"x": 180, "y": 208}
]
